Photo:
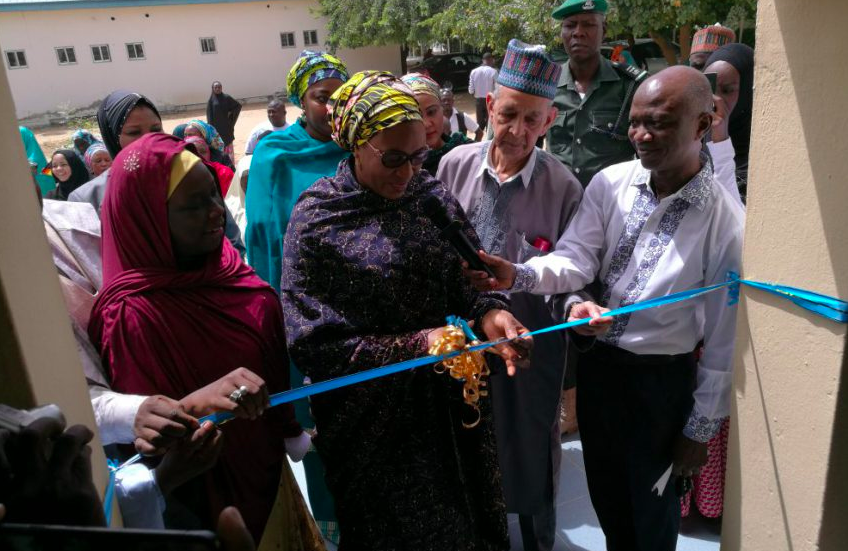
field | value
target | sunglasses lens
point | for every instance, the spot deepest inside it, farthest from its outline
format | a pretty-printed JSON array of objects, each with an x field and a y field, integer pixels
[
  {"x": 393, "y": 159},
  {"x": 419, "y": 157}
]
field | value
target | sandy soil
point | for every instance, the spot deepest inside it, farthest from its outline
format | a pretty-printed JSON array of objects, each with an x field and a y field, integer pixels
[{"x": 56, "y": 137}]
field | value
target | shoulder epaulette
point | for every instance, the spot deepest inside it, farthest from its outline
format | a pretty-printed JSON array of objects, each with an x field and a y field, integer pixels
[{"x": 630, "y": 71}]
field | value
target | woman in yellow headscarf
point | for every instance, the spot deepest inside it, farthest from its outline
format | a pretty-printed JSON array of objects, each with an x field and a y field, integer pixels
[{"x": 368, "y": 281}]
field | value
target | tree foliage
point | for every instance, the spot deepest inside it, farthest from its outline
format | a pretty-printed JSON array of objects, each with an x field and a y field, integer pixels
[
  {"x": 357, "y": 23},
  {"x": 491, "y": 23},
  {"x": 641, "y": 17}
]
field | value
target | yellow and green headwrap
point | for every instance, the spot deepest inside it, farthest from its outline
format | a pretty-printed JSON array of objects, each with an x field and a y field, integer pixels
[
  {"x": 422, "y": 84},
  {"x": 310, "y": 68},
  {"x": 368, "y": 103}
]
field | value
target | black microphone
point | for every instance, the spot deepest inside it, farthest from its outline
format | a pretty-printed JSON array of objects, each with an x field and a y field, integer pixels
[{"x": 452, "y": 231}]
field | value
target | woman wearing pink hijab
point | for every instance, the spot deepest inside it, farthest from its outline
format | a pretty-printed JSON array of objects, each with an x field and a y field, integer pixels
[{"x": 178, "y": 311}]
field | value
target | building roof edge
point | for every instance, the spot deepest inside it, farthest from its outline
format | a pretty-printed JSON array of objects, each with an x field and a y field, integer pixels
[{"x": 58, "y": 5}]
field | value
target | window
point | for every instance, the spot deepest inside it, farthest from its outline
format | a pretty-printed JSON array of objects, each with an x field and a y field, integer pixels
[
  {"x": 100, "y": 53},
  {"x": 135, "y": 50},
  {"x": 207, "y": 45},
  {"x": 458, "y": 62},
  {"x": 310, "y": 38},
  {"x": 66, "y": 55},
  {"x": 287, "y": 40},
  {"x": 16, "y": 59}
]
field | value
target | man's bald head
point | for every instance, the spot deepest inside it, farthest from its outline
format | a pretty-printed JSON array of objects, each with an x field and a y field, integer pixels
[
  {"x": 688, "y": 86},
  {"x": 670, "y": 114}
]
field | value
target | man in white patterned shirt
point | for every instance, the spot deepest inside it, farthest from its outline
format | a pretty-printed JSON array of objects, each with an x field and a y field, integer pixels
[{"x": 646, "y": 229}]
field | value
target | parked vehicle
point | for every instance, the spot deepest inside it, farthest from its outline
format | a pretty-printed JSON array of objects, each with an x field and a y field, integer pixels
[
  {"x": 449, "y": 69},
  {"x": 646, "y": 52}
]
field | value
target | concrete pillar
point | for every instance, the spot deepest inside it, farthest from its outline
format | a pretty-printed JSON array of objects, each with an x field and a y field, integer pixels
[
  {"x": 38, "y": 357},
  {"x": 787, "y": 488}
]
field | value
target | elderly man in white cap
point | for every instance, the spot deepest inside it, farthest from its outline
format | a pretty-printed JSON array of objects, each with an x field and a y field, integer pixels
[{"x": 520, "y": 199}]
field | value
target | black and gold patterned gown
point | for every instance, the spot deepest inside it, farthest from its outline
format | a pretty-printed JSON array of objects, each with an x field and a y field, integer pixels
[{"x": 364, "y": 278}]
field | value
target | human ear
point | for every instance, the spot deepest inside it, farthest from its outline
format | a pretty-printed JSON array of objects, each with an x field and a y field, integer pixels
[
  {"x": 549, "y": 121},
  {"x": 705, "y": 122}
]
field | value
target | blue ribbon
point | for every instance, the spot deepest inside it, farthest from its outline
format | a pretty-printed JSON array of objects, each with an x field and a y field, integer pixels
[
  {"x": 113, "y": 466},
  {"x": 823, "y": 305}
]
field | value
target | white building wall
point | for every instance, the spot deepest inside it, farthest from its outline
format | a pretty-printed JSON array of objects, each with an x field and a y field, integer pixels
[{"x": 250, "y": 61}]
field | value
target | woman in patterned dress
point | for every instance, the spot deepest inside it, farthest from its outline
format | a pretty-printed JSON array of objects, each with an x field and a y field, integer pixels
[{"x": 367, "y": 281}]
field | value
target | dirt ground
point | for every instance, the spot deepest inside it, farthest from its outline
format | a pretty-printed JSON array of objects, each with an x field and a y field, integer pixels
[{"x": 56, "y": 137}]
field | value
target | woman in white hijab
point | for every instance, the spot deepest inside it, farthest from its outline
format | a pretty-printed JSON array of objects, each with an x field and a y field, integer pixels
[{"x": 236, "y": 193}]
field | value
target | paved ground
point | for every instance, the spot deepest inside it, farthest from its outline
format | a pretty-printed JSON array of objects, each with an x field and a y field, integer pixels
[{"x": 577, "y": 525}]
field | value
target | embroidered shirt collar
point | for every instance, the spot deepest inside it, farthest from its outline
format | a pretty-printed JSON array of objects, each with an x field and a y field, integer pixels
[
  {"x": 487, "y": 166},
  {"x": 696, "y": 192}
]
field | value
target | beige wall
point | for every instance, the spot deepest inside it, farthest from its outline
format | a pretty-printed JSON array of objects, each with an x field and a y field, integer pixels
[
  {"x": 786, "y": 485},
  {"x": 38, "y": 358},
  {"x": 250, "y": 61}
]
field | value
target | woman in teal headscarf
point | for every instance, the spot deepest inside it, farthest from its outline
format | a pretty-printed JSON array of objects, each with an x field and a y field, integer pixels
[
  {"x": 284, "y": 164},
  {"x": 36, "y": 156}
]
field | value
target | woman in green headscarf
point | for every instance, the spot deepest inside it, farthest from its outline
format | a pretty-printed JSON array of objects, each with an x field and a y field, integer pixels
[
  {"x": 428, "y": 96},
  {"x": 36, "y": 157},
  {"x": 284, "y": 164}
]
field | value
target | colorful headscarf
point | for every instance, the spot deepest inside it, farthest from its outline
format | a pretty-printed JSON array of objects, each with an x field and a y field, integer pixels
[
  {"x": 196, "y": 139},
  {"x": 208, "y": 132},
  {"x": 422, "y": 84},
  {"x": 368, "y": 103},
  {"x": 89, "y": 154},
  {"x": 84, "y": 135},
  {"x": 36, "y": 156},
  {"x": 179, "y": 131},
  {"x": 310, "y": 68}
]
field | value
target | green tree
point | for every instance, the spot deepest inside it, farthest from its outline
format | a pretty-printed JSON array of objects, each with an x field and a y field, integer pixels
[
  {"x": 490, "y": 24},
  {"x": 656, "y": 17},
  {"x": 357, "y": 23}
]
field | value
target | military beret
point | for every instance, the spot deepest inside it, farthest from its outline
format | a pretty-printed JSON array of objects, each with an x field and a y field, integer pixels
[{"x": 576, "y": 7}]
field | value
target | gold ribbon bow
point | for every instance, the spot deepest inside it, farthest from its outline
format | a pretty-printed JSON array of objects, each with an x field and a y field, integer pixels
[{"x": 469, "y": 367}]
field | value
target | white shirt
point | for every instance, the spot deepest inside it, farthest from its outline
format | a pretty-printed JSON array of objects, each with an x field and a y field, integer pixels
[
  {"x": 641, "y": 248},
  {"x": 139, "y": 497},
  {"x": 74, "y": 237},
  {"x": 257, "y": 131},
  {"x": 725, "y": 166},
  {"x": 470, "y": 124},
  {"x": 525, "y": 173},
  {"x": 482, "y": 80}
]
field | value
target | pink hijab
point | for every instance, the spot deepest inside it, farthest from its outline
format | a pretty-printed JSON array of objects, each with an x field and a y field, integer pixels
[{"x": 161, "y": 330}]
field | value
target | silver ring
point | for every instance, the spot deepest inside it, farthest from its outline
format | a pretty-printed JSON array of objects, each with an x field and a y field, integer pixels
[{"x": 237, "y": 395}]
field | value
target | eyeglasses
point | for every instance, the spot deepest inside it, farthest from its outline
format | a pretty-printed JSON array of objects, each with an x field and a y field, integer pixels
[{"x": 394, "y": 159}]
